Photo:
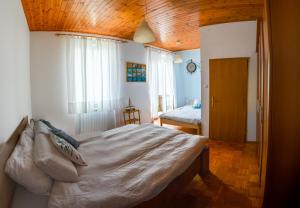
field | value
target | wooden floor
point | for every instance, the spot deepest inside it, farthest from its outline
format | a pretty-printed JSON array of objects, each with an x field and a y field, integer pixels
[{"x": 233, "y": 181}]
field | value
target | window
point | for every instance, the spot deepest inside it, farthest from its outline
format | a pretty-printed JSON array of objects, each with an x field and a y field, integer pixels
[
  {"x": 93, "y": 72},
  {"x": 161, "y": 81}
]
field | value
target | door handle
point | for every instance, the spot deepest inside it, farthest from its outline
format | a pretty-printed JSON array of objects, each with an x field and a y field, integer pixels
[{"x": 212, "y": 101}]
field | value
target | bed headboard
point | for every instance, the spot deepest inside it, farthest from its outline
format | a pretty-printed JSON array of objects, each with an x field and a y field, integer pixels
[{"x": 7, "y": 186}]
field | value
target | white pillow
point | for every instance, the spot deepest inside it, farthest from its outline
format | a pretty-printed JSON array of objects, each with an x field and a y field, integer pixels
[
  {"x": 21, "y": 168},
  {"x": 67, "y": 150},
  {"x": 52, "y": 162},
  {"x": 196, "y": 102},
  {"x": 30, "y": 129},
  {"x": 40, "y": 127}
]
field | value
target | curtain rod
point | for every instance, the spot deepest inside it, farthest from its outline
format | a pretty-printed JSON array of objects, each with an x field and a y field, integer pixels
[
  {"x": 92, "y": 36},
  {"x": 162, "y": 49},
  {"x": 108, "y": 38}
]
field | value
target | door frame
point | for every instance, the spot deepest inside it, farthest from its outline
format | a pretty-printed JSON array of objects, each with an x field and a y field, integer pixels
[{"x": 209, "y": 98}]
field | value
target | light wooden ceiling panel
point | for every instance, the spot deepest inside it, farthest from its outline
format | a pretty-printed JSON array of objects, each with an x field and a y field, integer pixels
[{"x": 171, "y": 20}]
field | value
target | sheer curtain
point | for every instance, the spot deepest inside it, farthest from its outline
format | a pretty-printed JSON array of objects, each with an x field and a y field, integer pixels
[
  {"x": 161, "y": 81},
  {"x": 93, "y": 77}
]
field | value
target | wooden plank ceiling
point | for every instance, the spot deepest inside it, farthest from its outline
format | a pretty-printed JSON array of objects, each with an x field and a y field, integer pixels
[{"x": 175, "y": 22}]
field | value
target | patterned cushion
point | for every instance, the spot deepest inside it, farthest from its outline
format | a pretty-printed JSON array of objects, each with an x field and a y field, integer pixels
[
  {"x": 48, "y": 124},
  {"x": 67, "y": 149},
  {"x": 62, "y": 134}
]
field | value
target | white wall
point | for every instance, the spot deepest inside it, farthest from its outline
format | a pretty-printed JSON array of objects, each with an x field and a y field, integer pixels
[
  {"x": 138, "y": 92},
  {"x": 48, "y": 79},
  {"x": 225, "y": 41},
  {"x": 15, "y": 102}
]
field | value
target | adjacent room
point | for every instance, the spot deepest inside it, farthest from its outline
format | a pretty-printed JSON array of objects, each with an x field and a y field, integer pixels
[{"x": 148, "y": 103}]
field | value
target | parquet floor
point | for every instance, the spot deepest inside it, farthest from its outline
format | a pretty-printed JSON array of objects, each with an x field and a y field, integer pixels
[{"x": 233, "y": 182}]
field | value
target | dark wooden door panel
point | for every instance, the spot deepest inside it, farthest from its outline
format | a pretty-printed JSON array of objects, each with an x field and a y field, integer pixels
[{"x": 228, "y": 98}]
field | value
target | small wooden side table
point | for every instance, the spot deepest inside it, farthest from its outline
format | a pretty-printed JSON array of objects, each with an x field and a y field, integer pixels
[{"x": 131, "y": 116}]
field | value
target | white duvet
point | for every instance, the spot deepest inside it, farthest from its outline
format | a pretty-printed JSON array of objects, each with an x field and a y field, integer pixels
[
  {"x": 186, "y": 114},
  {"x": 127, "y": 166}
]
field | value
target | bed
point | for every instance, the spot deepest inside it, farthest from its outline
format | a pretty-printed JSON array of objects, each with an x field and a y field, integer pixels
[
  {"x": 185, "y": 116},
  {"x": 148, "y": 167}
]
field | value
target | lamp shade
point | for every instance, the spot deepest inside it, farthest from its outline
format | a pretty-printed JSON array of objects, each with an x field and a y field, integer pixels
[
  {"x": 178, "y": 59},
  {"x": 143, "y": 33}
]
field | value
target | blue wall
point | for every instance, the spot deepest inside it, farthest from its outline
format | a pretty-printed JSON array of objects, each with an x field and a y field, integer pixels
[{"x": 188, "y": 86}]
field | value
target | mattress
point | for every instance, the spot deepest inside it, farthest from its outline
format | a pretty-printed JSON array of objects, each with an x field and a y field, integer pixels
[
  {"x": 127, "y": 166},
  {"x": 186, "y": 114}
]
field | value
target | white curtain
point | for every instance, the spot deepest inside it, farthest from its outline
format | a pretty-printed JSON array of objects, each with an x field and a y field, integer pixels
[
  {"x": 161, "y": 81},
  {"x": 93, "y": 73}
]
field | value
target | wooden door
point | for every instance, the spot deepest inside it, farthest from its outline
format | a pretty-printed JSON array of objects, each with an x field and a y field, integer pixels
[{"x": 228, "y": 99}]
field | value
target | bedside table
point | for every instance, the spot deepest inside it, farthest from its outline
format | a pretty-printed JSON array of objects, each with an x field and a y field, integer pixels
[{"x": 131, "y": 116}]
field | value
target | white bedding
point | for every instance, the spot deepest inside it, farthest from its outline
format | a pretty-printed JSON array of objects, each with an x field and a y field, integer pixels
[
  {"x": 127, "y": 166},
  {"x": 186, "y": 114},
  {"x": 25, "y": 199}
]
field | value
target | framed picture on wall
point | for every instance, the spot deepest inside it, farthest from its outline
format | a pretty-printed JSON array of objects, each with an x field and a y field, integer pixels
[{"x": 135, "y": 72}]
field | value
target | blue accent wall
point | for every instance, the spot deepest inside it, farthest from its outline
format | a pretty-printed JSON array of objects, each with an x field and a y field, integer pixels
[{"x": 188, "y": 86}]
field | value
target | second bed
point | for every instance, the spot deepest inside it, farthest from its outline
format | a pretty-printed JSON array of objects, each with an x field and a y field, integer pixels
[{"x": 186, "y": 116}]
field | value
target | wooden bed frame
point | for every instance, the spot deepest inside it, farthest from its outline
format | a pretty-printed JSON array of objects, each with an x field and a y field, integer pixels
[
  {"x": 7, "y": 186},
  {"x": 178, "y": 185},
  {"x": 182, "y": 124}
]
